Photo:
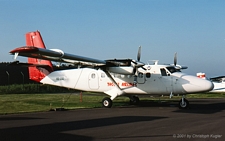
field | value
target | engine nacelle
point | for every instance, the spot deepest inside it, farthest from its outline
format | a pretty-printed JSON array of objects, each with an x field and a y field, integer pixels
[
  {"x": 121, "y": 70},
  {"x": 59, "y": 51}
]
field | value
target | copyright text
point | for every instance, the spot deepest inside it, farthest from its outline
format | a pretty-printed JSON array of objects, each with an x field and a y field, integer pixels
[{"x": 197, "y": 136}]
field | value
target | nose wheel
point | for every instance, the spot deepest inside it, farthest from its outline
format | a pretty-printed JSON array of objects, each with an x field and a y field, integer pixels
[{"x": 183, "y": 103}]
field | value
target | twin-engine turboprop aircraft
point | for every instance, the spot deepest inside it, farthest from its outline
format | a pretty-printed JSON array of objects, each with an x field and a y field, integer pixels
[{"x": 114, "y": 77}]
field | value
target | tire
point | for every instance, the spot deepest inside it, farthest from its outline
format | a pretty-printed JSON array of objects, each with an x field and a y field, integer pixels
[
  {"x": 134, "y": 100},
  {"x": 107, "y": 102},
  {"x": 185, "y": 105}
]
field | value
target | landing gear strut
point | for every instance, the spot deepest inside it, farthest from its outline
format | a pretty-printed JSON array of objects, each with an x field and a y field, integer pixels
[
  {"x": 134, "y": 100},
  {"x": 183, "y": 103},
  {"x": 107, "y": 102}
]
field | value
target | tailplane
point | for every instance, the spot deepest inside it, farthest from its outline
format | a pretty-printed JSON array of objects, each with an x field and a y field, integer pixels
[{"x": 41, "y": 68}]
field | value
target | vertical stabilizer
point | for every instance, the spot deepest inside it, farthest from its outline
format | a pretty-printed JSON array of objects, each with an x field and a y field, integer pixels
[{"x": 37, "y": 73}]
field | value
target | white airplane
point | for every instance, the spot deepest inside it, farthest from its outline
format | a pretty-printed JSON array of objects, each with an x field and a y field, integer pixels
[
  {"x": 218, "y": 82},
  {"x": 114, "y": 77}
]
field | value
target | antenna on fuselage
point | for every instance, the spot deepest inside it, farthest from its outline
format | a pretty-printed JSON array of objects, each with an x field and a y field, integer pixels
[{"x": 155, "y": 61}]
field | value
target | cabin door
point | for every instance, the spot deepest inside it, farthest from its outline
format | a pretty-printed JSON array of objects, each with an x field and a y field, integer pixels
[{"x": 93, "y": 80}]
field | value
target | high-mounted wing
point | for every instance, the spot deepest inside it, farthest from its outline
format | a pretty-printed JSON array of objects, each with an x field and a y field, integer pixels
[
  {"x": 55, "y": 55},
  {"x": 59, "y": 56},
  {"x": 37, "y": 55}
]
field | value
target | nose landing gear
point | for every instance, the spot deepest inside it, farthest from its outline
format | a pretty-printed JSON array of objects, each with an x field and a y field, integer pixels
[{"x": 183, "y": 103}]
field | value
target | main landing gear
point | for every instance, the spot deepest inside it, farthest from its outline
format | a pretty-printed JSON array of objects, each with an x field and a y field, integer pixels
[
  {"x": 183, "y": 103},
  {"x": 134, "y": 100},
  {"x": 107, "y": 102}
]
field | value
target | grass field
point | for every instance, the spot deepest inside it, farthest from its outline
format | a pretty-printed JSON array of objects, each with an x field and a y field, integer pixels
[
  {"x": 23, "y": 103},
  {"x": 20, "y": 103}
]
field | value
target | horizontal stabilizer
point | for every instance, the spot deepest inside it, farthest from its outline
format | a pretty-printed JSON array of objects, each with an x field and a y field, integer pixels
[{"x": 17, "y": 63}]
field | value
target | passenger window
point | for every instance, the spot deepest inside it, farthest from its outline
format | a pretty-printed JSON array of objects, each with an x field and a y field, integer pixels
[
  {"x": 117, "y": 75},
  {"x": 102, "y": 75},
  {"x": 140, "y": 75},
  {"x": 148, "y": 75},
  {"x": 93, "y": 75}
]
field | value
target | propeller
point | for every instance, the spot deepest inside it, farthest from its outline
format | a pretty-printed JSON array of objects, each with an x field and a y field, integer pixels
[
  {"x": 139, "y": 54},
  {"x": 175, "y": 59},
  {"x": 137, "y": 64},
  {"x": 175, "y": 63}
]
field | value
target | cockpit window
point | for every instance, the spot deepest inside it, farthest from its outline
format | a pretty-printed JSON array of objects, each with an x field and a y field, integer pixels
[
  {"x": 172, "y": 69},
  {"x": 163, "y": 72}
]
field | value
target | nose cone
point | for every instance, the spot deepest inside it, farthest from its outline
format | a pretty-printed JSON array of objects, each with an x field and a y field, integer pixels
[{"x": 196, "y": 85}]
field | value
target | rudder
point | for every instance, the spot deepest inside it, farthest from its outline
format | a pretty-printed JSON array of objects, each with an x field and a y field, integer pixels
[{"x": 37, "y": 73}]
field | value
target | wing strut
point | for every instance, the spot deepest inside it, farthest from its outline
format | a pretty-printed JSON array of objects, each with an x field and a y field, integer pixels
[
  {"x": 114, "y": 82},
  {"x": 117, "y": 91}
]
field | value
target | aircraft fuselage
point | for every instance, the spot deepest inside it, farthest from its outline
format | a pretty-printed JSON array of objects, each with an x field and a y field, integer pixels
[{"x": 155, "y": 80}]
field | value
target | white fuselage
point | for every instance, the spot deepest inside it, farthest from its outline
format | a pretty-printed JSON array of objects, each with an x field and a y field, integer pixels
[{"x": 155, "y": 80}]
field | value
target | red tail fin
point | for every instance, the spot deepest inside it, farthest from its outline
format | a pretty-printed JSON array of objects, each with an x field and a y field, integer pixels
[{"x": 37, "y": 73}]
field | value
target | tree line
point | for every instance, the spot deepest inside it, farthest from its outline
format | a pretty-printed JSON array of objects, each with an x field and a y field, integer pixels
[
  {"x": 15, "y": 80},
  {"x": 13, "y": 74}
]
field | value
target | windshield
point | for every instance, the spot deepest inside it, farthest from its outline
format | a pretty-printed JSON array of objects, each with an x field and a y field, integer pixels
[{"x": 172, "y": 69}]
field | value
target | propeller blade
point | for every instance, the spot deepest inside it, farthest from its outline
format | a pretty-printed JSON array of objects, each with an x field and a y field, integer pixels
[
  {"x": 139, "y": 54},
  {"x": 139, "y": 64},
  {"x": 175, "y": 59}
]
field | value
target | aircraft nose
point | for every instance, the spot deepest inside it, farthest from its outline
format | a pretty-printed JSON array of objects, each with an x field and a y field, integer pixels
[
  {"x": 198, "y": 85},
  {"x": 207, "y": 85}
]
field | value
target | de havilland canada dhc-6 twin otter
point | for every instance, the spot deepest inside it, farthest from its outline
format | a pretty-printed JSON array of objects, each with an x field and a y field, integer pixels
[{"x": 114, "y": 77}]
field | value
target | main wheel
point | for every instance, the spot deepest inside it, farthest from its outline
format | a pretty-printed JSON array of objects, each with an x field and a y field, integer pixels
[
  {"x": 134, "y": 100},
  {"x": 107, "y": 102},
  {"x": 183, "y": 105}
]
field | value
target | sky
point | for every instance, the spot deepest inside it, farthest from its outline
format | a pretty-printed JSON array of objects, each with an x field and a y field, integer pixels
[{"x": 108, "y": 29}]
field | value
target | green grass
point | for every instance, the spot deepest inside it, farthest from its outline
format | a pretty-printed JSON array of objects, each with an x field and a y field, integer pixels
[
  {"x": 21, "y": 103},
  {"x": 207, "y": 95}
]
